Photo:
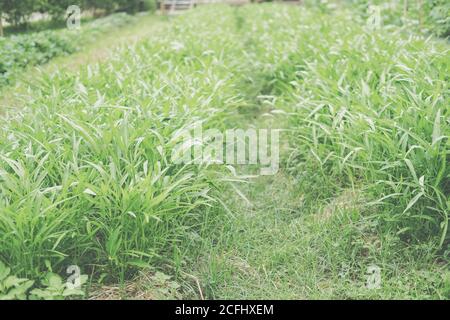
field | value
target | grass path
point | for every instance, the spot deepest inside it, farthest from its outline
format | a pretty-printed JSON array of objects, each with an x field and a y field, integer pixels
[
  {"x": 104, "y": 48},
  {"x": 282, "y": 243},
  {"x": 101, "y": 50}
]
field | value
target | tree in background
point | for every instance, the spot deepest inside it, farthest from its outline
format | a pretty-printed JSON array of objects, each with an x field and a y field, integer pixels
[
  {"x": 107, "y": 6},
  {"x": 133, "y": 6},
  {"x": 57, "y": 8},
  {"x": 18, "y": 11}
]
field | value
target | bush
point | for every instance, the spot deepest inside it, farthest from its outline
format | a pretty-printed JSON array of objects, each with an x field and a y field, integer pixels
[{"x": 17, "y": 11}]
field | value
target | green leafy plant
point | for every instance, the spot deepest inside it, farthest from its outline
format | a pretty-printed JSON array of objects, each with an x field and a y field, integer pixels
[
  {"x": 21, "y": 51},
  {"x": 12, "y": 287},
  {"x": 52, "y": 287},
  {"x": 55, "y": 289}
]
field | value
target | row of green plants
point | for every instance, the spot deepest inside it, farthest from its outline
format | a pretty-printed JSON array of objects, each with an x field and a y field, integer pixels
[
  {"x": 369, "y": 112},
  {"x": 86, "y": 170},
  {"x": 428, "y": 16},
  {"x": 20, "y": 51}
]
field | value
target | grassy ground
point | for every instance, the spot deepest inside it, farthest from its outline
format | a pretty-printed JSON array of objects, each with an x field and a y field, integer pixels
[
  {"x": 279, "y": 245},
  {"x": 88, "y": 54},
  {"x": 289, "y": 238},
  {"x": 280, "y": 237},
  {"x": 304, "y": 235}
]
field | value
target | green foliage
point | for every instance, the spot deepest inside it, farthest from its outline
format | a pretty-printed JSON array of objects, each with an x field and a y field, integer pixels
[
  {"x": 365, "y": 113},
  {"x": 428, "y": 16},
  {"x": 21, "y": 51},
  {"x": 86, "y": 173},
  {"x": 107, "y": 193},
  {"x": 55, "y": 289},
  {"x": 133, "y": 6},
  {"x": 52, "y": 287},
  {"x": 11, "y": 287},
  {"x": 57, "y": 8},
  {"x": 162, "y": 287},
  {"x": 438, "y": 17},
  {"x": 107, "y": 5},
  {"x": 17, "y": 11}
]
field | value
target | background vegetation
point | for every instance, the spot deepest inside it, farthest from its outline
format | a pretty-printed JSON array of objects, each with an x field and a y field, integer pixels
[
  {"x": 18, "y": 12},
  {"x": 27, "y": 50},
  {"x": 86, "y": 177},
  {"x": 426, "y": 16}
]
